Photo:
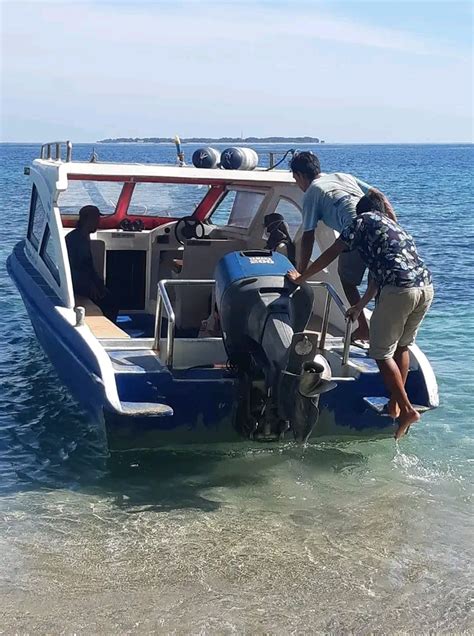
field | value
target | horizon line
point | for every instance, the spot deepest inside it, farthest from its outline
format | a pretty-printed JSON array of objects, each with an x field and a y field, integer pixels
[{"x": 267, "y": 143}]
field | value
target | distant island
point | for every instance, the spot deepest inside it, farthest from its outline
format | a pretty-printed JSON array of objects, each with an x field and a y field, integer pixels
[{"x": 211, "y": 140}]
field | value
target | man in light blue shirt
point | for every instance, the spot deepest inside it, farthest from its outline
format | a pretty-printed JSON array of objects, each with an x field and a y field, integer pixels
[{"x": 332, "y": 198}]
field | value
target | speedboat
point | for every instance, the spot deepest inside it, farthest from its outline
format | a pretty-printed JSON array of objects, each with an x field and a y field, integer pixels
[{"x": 212, "y": 342}]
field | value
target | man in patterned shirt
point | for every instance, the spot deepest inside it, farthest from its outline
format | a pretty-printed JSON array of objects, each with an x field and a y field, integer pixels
[{"x": 405, "y": 293}]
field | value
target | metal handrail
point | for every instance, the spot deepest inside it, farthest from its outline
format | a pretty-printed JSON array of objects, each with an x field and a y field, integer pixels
[
  {"x": 47, "y": 148},
  {"x": 163, "y": 300},
  {"x": 331, "y": 294}
]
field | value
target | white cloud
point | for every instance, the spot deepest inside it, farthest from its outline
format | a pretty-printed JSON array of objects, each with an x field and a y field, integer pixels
[{"x": 199, "y": 24}]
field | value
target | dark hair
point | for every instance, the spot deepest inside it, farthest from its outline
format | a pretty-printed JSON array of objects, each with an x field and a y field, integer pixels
[
  {"x": 306, "y": 163},
  {"x": 85, "y": 211},
  {"x": 369, "y": 202}
]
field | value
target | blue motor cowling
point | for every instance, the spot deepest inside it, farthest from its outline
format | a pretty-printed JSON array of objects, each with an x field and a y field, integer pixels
[{"x": 251, "y": 287}]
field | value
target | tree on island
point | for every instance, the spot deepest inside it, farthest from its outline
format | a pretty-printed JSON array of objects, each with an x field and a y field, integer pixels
[{"x": 212, "y": 140}]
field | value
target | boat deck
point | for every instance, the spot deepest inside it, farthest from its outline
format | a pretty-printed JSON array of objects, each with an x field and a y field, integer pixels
[{"x": 136, "y": 355}]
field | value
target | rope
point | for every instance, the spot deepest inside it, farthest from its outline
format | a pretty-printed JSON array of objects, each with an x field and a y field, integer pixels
[{"x": 292, "y": 150}]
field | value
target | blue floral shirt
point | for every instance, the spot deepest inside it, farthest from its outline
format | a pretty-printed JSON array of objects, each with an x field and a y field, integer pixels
[{"x": 388, "y": 251}]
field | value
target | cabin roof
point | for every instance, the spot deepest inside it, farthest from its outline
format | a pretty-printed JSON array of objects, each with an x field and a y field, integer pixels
[{"x": 159, "y": 172}]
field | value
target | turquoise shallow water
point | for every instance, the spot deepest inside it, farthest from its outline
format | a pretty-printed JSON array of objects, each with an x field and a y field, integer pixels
[{"x": 363, "y": 536}]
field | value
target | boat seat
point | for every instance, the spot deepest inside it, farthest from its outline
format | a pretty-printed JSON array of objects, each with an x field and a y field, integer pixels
[{"x": 100, "y": 326}]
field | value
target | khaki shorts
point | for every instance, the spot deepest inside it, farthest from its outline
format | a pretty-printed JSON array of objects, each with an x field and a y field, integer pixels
[
  {"x": 351, "y": 267},
  {"x": 396, "y": 318}
]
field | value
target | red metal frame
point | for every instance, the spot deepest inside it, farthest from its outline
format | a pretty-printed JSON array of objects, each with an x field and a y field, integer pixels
[{"x": 112, "y": 221}]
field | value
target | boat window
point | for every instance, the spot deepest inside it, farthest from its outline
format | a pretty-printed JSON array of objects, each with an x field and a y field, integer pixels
[
  {"x": 238, "y": 208},
  {"x": 221, "y": 213},
  {"x": 166, "y": 199},
  {"x": 37, "y": 218},
  {"x": 50, "y": 254},
  {"x": 103, "y": 194},
  {"x": 292, "y": 215}
]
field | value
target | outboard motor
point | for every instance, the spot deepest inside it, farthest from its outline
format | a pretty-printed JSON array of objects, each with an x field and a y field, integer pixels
[{"x": 263, "y": 318}]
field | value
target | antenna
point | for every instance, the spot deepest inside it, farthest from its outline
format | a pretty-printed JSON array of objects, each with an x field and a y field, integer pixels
[{"x": 179, "y": 151}]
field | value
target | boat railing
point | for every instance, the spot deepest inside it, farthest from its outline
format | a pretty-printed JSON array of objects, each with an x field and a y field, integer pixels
[
  {"x": 332, "y": 295},
  {"x": 55, "y": 147},
  {"x": 164, "y": 304}
]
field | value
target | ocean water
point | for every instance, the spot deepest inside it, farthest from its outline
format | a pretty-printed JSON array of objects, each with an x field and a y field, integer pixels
[{"x": 362, "y": 537}]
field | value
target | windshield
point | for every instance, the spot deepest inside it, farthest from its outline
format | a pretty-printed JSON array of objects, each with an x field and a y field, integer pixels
[
  {"x": 103, "y": 194},
  {"x": 166, "y": 199},
  {"x": 238, "y": 208},
  {"x": 148, "y": 199}
]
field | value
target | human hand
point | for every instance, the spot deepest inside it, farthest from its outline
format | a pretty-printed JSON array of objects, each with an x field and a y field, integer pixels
[
  {"x": 354, "y": 312},
  {"x": 294, "y": 276}
]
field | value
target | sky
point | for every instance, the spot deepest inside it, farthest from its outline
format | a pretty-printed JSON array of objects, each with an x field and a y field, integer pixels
[{"x": 344, "y": 71}]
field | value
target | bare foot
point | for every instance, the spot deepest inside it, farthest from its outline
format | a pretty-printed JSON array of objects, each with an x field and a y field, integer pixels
[
  {"x": 393, "y": 409},
  {"x": 360, "y": 334},
  {"x": 405, "y": 421}
]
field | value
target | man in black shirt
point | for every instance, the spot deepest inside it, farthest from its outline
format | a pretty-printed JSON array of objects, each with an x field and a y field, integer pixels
[{"x": 85, "y": 280}]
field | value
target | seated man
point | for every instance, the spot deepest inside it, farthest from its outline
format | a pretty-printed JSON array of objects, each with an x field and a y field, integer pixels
[
  {"x": 85, "y": 280},
  {"x": 404, "y": 291}
]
